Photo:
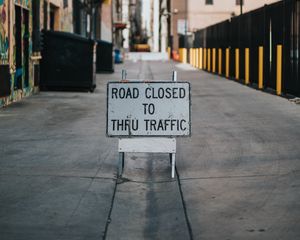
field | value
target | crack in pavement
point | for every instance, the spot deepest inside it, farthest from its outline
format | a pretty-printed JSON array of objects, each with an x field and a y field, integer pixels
[{"x": 187, "y": 220}]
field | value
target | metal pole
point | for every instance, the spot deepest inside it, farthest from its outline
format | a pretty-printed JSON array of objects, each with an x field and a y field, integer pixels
[
  {"x": 174, "y": 76},
  {"x": 124, "y": 74},
  {"x": 173, "y": 155},
  {"x": 122, "y": 154},
  {"x": 173, "y": 165}
]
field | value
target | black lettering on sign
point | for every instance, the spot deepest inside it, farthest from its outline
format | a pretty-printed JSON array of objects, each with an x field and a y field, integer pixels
[
  {"x": 146, "y": 124},
  {"x": 161, "y": 93},
  {"x": 114, "y": 92},
  {"x": 148, "y": 92},
  {"x": 134, "y": 124},
  {"x": 175, "y": 92},
  {"x": 165, "y": 125},
  {"x": 153, "y": 125},
  {"x": 149, "y": 108},
  {"x": 160, "y": 126},
  {"x": 122, "y": 93},
  {"x": 181, "y": 92},
  {"x": 125, "y": 124},
  {"x": 181, "y": 125},
  {"x": 166, "y": 93}
]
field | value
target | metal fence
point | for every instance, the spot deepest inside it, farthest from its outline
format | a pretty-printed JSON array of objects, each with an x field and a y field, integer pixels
[{"x": 260, "y": 47}]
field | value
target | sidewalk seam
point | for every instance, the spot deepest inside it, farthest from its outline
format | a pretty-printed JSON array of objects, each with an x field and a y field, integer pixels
[{"x": 188, "y": 223}]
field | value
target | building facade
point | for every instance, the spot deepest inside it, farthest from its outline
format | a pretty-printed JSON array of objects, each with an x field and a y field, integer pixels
[
  {"x": 20, "y": 46},
  {"x": 17, "y": 58},
  {"x": 189, "y": 15},
  {"x": 21, "y": 24}
]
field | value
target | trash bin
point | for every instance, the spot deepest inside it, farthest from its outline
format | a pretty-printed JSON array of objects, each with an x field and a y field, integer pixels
[
  {"x": 67, "y": 62},
  {"x": 118, "y": 56},
  {"x": 104, "y": 62}
]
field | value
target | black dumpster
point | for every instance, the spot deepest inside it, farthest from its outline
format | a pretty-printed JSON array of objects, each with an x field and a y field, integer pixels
[
  {"x": 67, "y": 62},
  {"x": 104, "y": 62}
]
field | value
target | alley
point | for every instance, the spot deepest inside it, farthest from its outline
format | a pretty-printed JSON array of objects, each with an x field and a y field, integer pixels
[{"x": 238, "y": 175}]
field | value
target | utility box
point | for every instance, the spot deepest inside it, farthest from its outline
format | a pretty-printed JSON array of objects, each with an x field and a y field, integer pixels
[{"x": 67, "y": 62}]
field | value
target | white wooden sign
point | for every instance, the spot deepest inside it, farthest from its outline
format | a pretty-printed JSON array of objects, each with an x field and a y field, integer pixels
[{"x": 160, "y": 109}]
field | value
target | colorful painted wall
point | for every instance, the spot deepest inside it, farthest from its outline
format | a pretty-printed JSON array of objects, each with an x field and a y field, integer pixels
[
  {"x": 18, "y": 76},
  {"x": 4, "y": 41},
  {"x": 16, "y": 64},
  {"x": 19, "y": 65}
]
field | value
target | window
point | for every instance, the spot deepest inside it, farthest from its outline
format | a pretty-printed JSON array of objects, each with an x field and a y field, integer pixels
[
  {"x": 54, "y": 17},
  {"x": 238, "y": 2},
  {"x": 66, "y": 3},
  {"x": 209, "y": 2}
]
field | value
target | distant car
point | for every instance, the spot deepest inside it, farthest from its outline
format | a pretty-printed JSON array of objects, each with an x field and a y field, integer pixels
[{"x": 118, "y": 56}]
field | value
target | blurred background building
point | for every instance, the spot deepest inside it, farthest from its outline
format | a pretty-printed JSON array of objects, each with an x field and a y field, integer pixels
[
  {"x": 117, "y": 26},
  {"x": 188, "y": 16}
]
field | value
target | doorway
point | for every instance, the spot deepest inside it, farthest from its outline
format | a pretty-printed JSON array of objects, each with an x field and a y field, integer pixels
[
  {"x": 22, "y": 47},
  {"x": 18, "y": 38},
  {"x": 26, "y": 47}
]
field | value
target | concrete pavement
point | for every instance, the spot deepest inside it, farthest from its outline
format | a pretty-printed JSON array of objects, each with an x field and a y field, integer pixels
[{"x": 238, "y": 175}]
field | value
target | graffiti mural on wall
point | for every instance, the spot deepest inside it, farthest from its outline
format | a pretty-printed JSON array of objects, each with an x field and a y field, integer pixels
[
  {"x": 15, "y": 51},
  {"x": 22, "y": 46},
  {"x": 4, "y": 43}
]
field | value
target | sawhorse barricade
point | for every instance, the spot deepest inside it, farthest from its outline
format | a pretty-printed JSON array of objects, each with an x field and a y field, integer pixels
[{"x": 147, "y": 116}]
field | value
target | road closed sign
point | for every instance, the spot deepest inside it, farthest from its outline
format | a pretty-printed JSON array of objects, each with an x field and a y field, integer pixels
[{"x": 148, "y": 109}]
